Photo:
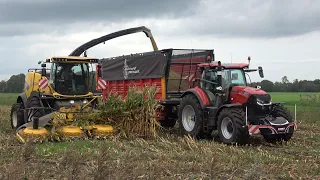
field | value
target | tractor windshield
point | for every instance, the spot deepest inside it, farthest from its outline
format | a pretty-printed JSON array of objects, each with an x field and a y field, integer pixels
[
  {"x": 229, "y": 76},
  {"x": 70, "y": 78},
  {"x": 233, "y": 76}
]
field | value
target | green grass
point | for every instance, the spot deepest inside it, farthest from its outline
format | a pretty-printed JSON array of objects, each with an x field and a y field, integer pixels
[
  {"x": 8, "y": 98},
  {"x": 292, "y": 98}
]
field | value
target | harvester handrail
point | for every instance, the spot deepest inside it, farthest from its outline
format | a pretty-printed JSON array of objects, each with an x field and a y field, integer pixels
[{"x": 78, "y": 51}]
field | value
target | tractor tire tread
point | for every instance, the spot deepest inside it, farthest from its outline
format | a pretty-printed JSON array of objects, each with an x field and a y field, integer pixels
[
  {"x": 192, "y": 100},
  {"x": 241, "y": 135}
]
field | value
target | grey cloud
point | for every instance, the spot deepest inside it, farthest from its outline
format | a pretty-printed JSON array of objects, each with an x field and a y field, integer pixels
[
  {"x": 236, "y": 18},
  {"x": 25, "y": 17},
  {"x": 271, "y": 18}
]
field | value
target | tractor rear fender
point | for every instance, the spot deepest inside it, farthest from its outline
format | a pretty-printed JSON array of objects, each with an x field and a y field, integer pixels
[{"x": 200, "y": 94}]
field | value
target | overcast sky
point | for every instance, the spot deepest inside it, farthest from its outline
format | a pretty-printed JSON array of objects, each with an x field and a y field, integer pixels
[{"x": 281, "y": 36}]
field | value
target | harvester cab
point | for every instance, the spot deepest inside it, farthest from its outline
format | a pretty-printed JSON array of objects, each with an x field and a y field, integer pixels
[
  {"x": 54, "y": 96},
  {"x": 224, "y": 102}
]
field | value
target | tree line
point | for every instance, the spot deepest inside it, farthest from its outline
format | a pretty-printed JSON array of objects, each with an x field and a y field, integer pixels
[
  {"x": 286, "y": 86},
  {"x": 15, "y": 84}
]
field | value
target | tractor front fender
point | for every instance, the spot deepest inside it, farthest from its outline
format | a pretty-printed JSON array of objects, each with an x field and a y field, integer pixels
[
  {"x": 200, "y": 94},
  {"x": 227, "y": 106}
]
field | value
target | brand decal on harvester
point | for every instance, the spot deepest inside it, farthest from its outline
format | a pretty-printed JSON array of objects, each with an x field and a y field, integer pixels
[{"x": 129, "y": 70}]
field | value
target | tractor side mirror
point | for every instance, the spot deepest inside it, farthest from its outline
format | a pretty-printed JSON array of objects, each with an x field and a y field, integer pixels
[{"x": 261, "y": 72}]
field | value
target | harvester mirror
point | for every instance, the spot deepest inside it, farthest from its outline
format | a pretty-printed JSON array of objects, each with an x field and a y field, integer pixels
[
  {"x": 44, "y": 72},
  {"x": 261, "y": 72}
]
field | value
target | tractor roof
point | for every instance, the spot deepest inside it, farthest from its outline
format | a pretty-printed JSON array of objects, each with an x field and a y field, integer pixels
[
  {"x": 72, "y": 59},
  {"x": 225, "y": 65}
]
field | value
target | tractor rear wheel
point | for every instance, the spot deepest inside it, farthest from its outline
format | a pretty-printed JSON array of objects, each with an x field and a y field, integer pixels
[
  {"x": 16, "y": 115},
  {"x": 231, "y": 122},
  {"x": 190, "y": 116},
  {"x": 280, "y": 111}
]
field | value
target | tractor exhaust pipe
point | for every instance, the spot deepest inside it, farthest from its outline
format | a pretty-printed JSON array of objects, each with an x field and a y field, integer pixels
[{"x": 219, "y": 73}]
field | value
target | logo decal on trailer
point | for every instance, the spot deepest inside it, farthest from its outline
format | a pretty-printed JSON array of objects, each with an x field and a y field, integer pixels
[
  {"x": 129, "y": 70},
  {"x": 43, "y": 83}
]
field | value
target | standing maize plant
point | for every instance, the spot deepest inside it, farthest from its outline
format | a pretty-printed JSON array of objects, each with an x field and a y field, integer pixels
[{"x": 135, "y": 114}]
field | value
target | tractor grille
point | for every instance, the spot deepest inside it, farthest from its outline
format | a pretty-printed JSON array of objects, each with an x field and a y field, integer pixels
[{"x": 255, "y": 111}]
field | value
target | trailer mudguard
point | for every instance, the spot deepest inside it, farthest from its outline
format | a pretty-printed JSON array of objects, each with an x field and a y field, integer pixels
[
  {"x": 78, "y": 51},
  {"x": 200, "y": 94}
]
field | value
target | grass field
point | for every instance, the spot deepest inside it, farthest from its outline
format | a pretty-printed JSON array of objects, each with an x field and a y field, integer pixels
[{"x": 170, "y": 156}]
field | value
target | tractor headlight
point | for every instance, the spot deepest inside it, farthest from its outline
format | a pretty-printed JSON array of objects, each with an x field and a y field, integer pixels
[
  {"x": 262, "y": 103},
  {"x": 71, "y": 101}
]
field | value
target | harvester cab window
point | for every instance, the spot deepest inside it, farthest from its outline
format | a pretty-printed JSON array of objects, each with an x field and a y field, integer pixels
[{"x": 70, "y": 78}]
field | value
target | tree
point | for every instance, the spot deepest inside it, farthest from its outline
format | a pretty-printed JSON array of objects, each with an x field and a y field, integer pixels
[
  {"x": 15, "y": 83},
  {"x": 267, "y": 85},
  {"x": 285, "y": 80}
]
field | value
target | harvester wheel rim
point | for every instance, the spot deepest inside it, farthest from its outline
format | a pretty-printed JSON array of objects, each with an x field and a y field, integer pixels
[
  {"x": 227, "y": 128},
  {"x": 14, "y": 117},
  {"x": 188, "y": 118}
]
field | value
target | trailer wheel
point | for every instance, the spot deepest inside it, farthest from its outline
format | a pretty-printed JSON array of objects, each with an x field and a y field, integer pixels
[
  {"x": 170, "y": 118},
  {"x": 280, "y": 111},
  {"x": 16, "y": 115},
  {"x": 231, "y": 122},
  {"x": 190, "y": 116}
]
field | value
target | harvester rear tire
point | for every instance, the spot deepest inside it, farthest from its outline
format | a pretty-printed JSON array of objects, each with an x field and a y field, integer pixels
[
  {"x": 280, "y": 111},
  {"x": 16, "y": 115},
  {"x": 191, "y": 102},
  {"x": 239, "y": 134}
]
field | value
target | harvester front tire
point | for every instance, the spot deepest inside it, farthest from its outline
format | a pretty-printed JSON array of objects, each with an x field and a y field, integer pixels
[
  {"x": 231, "y": 126},
  {"x": 190, "y": 110},
  {"x": 16, "y": 115},
  {"x": 280, "y": 111},
  {"x": 34, "y": 102}
]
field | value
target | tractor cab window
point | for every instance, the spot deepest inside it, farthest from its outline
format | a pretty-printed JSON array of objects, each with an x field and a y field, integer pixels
[
  {"x": 209, "y": 80},
  {"x": 70, "y": 79},
  {"x": 233, "y": 76}
]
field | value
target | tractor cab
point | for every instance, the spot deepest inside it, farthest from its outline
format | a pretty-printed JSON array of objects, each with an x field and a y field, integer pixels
[
  {"x": 214, "y": 80},
  {"x": 71, "y": 75}
]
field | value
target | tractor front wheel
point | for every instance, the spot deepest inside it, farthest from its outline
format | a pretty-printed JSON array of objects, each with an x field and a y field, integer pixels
[
  {"x": 191, "y": 116},
  {"x": 231, "y": 126},
  {"x": 16, "y": 115}
]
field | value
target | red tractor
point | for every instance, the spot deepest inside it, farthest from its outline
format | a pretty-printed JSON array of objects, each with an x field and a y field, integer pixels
[{"x": 224, "y": 102}]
